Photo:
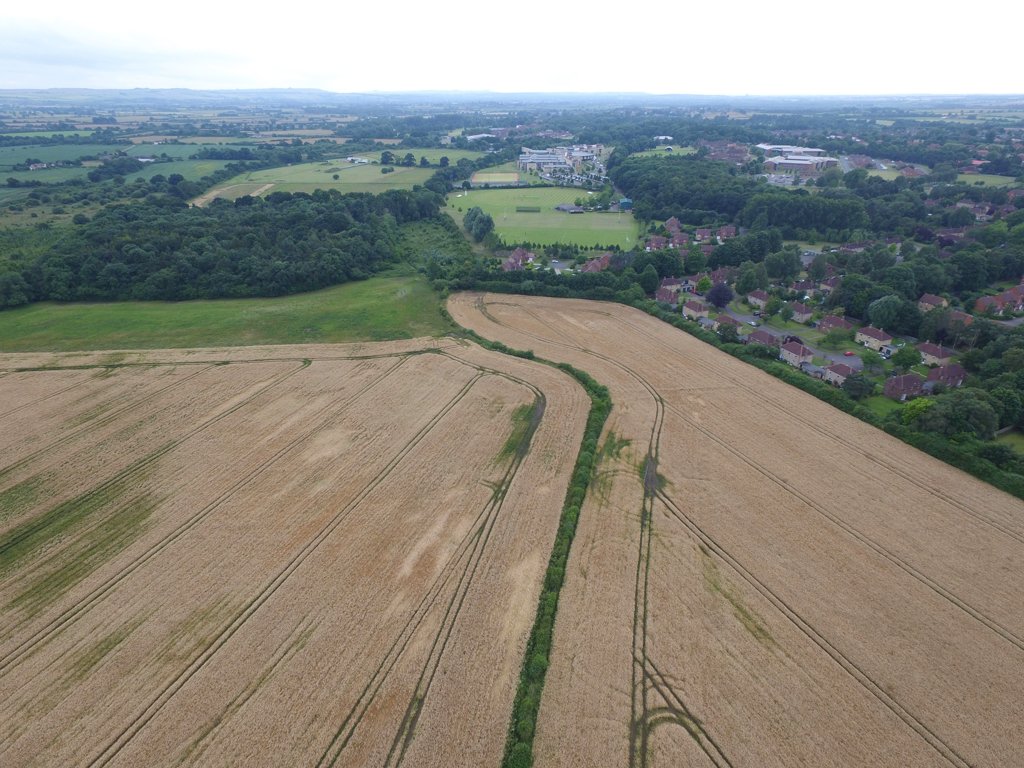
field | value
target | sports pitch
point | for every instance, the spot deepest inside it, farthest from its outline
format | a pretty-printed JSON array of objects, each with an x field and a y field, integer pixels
[{"x": 547, "y": 225}]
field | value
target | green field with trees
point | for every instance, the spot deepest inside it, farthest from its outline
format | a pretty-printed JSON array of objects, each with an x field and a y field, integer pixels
[{"x": 547, "y": 226}]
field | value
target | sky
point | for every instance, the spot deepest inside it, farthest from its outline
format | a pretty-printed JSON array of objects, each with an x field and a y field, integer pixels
[{"x": 729, "y": 48}]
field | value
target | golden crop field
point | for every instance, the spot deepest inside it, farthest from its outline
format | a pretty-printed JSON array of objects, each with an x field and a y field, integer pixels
[
  {"x": 273, "y": 556},
  {"x": 761, "y": 580}
]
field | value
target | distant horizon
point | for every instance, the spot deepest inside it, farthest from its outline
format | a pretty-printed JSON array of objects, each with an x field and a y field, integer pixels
[{"x": 522, "y": 92}]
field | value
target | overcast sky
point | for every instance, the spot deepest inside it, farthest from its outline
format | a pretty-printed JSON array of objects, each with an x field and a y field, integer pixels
[{"x": 799, "y": 47}]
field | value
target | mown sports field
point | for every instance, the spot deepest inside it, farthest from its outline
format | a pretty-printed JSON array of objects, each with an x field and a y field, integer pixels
[{"x": 546, "y": 225}]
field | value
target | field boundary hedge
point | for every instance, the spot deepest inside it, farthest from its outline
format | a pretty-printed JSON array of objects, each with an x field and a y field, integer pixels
[{"x": 526, "y": 705}]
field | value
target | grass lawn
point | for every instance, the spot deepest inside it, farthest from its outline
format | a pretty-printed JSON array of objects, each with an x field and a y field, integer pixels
[
  {"x": 548, "y": 226},
  {"x": 988, "y": 179},
  {"x": 381, "y": 308},
  {"x": 889, "y": 174},
  {"x": 1014, "y": 439},
  {"x": 881, "y": 405}
]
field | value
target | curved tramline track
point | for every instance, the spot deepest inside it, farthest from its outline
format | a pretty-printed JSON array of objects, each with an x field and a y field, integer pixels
[
  {"x": 91, "y": 425},
  {"x": 417, "y": 573},
  {"x": 266, "y": 592},
  {"x": 647, "y": 681},
  {"x": 689, "y": 387},
  {"x": 64, "y": 620},
  {"x": 460, "y": 569}
]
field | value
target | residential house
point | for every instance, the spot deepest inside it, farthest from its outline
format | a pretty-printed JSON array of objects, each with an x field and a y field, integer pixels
[
  {"x": 517, "y": 260},
  {"x": 934, "y": 354},
  {"x": 873, "y": 338},
  {"x": 804, "y": 287},
  {"x": 831, "y": 322},
  {"x": 723, "y": 320},
  {"x": 952, "y": 375},
  {"x": 695, "y": 309},
  {"x": 795, "y": 354},
  {"x": 1011, "y": 300},
  {"x": 763, "y": 337},
  {"x": 597, "y": 264},
  {"x": 724, "y": 233},
  {"x": 666, "y": 296},
  {"x": 723, "y": 275},
  {"x": 837, "y": 373},
  {"x": 673, "y": 226},
  {"x": 829, "y": 284},
  {"x": 801, "y": 312},
  {"x": 930, "y": 301},
  {"x": 706, "y": 323},
  {"x": 655, "y": 243},
  {"x": 702, "y": 235},
  {"x": 757, "y": 298},
  {"x": 904, "y": 387},
  {"x": 956, "y": 316}
]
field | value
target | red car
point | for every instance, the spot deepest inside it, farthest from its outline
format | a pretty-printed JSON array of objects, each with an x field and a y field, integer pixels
[{"x": 849, "y": 353}]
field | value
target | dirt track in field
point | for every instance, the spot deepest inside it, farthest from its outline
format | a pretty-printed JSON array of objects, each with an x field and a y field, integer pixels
[
  {"x": 761, "y": 580},
  {"x": 324, "y": 555}
]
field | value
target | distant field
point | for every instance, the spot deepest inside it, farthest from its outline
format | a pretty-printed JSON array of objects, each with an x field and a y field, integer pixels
[
  {"x": 190, "y": 169},
  {"x": 47, "y": 134},
  {"x": 377, "y": 309},
  {"x": 212, "y": 140},
  {"x": 494, "y": 177},
  {"x": 308, "y": 177},
  {"x": 988, "y": 179},
  {"x": 888, "y": 174},
  {"x": 182, "y": 151},
  {"x": 548, "y": 226},
  {"x": 663, "y": 151}
]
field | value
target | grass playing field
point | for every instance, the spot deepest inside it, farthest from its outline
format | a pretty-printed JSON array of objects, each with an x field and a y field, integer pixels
[
  {"x": 389, "y": 307},
  {"x": 988, "y": 179},
  {"x": 547, "y": 226}
]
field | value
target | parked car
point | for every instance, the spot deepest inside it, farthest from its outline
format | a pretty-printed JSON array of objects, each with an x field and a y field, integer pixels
[
  {"x": 753, "y": 323},
  {"x": 848, "y": 353}
]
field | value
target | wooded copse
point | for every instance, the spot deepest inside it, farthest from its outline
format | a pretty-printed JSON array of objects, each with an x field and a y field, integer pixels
[{"x": 286, "y": 243}]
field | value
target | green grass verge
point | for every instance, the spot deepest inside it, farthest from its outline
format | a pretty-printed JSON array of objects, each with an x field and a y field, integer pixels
[{"x": 378, "y": 309}]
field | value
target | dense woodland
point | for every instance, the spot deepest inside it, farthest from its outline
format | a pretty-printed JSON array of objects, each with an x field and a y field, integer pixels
[{"x": 253, "y": 247}]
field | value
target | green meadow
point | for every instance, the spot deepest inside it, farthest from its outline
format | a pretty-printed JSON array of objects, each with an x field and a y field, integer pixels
[
  {"x": 351, "y": 177},
  {"x": 548, "y": 225},
  {"x": 385, "y": 307},
  {"x": 988, "y": 179}
]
